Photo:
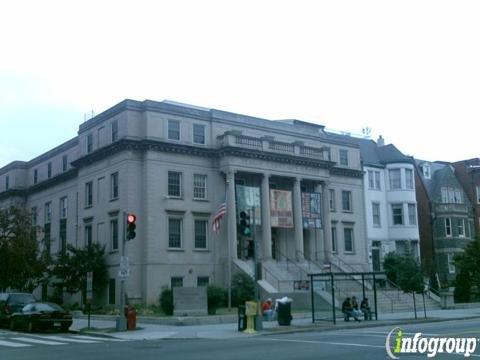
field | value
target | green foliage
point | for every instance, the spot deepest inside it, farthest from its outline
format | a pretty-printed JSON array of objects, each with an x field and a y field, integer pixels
[
  {"x": 71, "y": 267},
  {"x": 404, "y": 271},
  {"x": 467, "y": 265},
  {"x": 166, "y": 301},
  {"x": 217, "y": 297},
  {"x": 243, "y": 288},
  {"x": 22, "y": 265}
]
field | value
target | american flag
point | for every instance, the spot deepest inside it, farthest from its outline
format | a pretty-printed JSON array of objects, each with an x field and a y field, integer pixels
[{"x": 221, "y": 211}]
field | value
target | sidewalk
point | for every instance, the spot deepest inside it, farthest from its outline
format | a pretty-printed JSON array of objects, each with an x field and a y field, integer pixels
[{"x": 301, "y": 322}]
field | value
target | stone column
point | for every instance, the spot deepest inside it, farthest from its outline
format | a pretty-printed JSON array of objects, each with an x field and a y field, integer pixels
[
  {"x": 297, "y": 219},
  {"x": 327, "y": 224},
  {"x": 232, "y": 216},
  {"x": 266, "y": 226}
]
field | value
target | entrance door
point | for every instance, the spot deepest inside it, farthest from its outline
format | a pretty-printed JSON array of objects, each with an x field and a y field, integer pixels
[{"x": 376, "y": 265}]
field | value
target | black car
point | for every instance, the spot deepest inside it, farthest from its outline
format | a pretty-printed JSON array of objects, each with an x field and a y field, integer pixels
[
  {"x": 11, "y": 302},
  {"x": 41, "y": 316}
]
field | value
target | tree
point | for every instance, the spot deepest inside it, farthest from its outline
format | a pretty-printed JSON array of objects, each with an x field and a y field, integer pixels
[
  {"x": 243, "y": 288},
  {"x": 22, "y": 264},
  {"x": 467, "y": 264},
  {"x": 70, "y": 269},
  {"x": 404, "y": 271}
]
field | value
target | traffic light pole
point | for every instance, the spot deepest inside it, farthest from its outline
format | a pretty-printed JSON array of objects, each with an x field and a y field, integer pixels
[
  {"x": 258, "y": 318},
  {"x": 121, "y": 320}
]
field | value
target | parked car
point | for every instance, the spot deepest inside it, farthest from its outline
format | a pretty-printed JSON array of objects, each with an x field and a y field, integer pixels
[
  {"x": 11, "y": 302},
  {"x": 41, "y": 316}
]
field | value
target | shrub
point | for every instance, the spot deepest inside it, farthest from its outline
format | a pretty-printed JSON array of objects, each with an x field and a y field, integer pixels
[
  {"x": 243, "y": 288},
  {"x": 166, "y": 301},
  {"x": 216, "y": 298}
]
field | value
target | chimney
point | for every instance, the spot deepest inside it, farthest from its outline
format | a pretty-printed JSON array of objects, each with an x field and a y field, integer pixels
[{"x": 380, "y": 141}]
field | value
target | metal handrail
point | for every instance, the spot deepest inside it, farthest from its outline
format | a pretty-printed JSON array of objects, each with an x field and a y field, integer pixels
[
  {"x": 266, "y": 271},
  {"x": 288, "y": 260}
]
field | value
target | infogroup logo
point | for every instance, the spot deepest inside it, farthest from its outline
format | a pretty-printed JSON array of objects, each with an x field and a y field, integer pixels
[{"x": 427, "y": 345}]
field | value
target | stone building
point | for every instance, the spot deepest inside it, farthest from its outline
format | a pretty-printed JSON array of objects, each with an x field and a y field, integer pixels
[
  {"x": 445, "y": 218},
  {"x": 172, "y": 164}
]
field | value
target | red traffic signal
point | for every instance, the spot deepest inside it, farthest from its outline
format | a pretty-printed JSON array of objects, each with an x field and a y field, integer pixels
[
  {"x": 131, "y": 226},
  {"x": 131, "y": 218}
]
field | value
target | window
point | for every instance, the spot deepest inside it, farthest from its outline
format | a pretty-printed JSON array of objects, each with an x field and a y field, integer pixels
[
  {"x": 376, "y": 214},
  {"x": 64, "y": 163},
  {"x": 34, "y": 216},
  {"x": 114, "y": 186},
  {"x": 176, "y": 281},
  {"x": 451, "y": 196},
  {"x": 111, "y": 291},
  {"x": 348, "y": 239},
  {"x": 174, "y": 233},
  {"x": 451, "y": 263},
  {"x": 114, "y": 233},
  {"x": 49, "y": 170},
  {"x": 397, "y": 212},
  {"x": 332, "y": 199},
  {"x": 35, "y": 176},
  {"x": 346, "y": 200},
  {"x": 47, "y": 236},
  {"x": 457, "y": 197},
  {"x": 461, "y": 227},
  {"x": 478, "y": 194},
  {"x": 63, "y": 207},
  {"x": 334, "y": 239},
  {"x": 89, "y": 143},
  {"x": 114, "y": 130},
  {"x": 409, "y": 178},
  {"x": 7, "y": 182},
  {"x": 198, "y": 134},
  {"x": 88, "y": 194},
  {"x": 203, "y": 281},
  {"x": 412, "y": 214},
  {"x": 201, "y": 234},
  {"x": 426, "y": 171},
  {"x": 63, "y": 235},
  {"x": 343, "y": 157},
  {"x": 444, "y": 195},
  {"x": 48, "y": 212},
  {"x": 173, "y": 130},
  {"x": 374, "y": 179},
  {"x": 174, "y": 184},
  {"x": 395, "y": 180},
  {"x": 199, "y": 186},
  {"x": 88, "y": 235},
  {"x": 448, "y": 227}
]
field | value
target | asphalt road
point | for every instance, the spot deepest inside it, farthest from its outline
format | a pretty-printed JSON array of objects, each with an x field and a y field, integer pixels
[{"x": 358, "y": 343}]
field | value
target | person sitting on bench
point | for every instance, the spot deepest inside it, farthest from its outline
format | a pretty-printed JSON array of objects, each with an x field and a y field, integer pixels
[
  {"x": 347, "y": 310},
  {"x": 365, "y": 307}
]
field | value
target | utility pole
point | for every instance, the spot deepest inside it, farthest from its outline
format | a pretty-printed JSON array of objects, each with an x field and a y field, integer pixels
[{"x": 258, "y": 318}]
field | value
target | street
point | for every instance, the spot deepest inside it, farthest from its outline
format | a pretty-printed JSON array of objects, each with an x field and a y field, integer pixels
[{"x": 359, "y": 343}]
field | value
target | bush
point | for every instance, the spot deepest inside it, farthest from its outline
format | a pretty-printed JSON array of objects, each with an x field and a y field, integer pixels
[
  {"x": 217, "y": 297},
  {"x": 243, "y": 289},
  {"x": 166, "y": 301}
]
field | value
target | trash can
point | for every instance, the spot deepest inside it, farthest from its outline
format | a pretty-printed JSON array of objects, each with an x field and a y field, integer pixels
[
  {"x": 284, "y": 313},
  {"x": 131, "y": 315},
  {"x": 242, "y": 320}
]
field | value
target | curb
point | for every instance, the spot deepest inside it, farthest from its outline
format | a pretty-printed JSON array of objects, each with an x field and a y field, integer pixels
[{"x": 310, "y": 328}]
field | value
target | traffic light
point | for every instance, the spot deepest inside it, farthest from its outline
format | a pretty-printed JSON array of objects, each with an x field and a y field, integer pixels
[
  {"x": 131, "y": 226},
  {"x": 245, "y": 224}
]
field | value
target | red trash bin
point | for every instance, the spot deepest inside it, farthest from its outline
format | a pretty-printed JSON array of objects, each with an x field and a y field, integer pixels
[{"x": 131, "y": 315}]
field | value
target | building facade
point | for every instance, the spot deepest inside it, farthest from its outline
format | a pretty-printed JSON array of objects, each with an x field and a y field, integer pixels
[
  {"x": 390, "y": 202},
  {"x": 445, "y": 218},
  {"x": 172, "y": 165}
]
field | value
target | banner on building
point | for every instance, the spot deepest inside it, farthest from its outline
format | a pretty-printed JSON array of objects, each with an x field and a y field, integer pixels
[
  {"x": 312, "y": 210},
  {"x": 281, "y": 213},
  {"x": 247, "y": 198}
]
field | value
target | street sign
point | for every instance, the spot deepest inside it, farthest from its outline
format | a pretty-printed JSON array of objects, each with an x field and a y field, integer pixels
[
  {"x": 89, "y": 286},
  {"x": 124, "y": 271}
]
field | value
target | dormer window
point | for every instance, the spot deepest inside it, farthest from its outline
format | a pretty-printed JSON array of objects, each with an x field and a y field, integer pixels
[{"x": 426, "y": 171}]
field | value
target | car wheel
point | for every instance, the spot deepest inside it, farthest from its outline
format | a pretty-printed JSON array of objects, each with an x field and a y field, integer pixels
[
  {"x": 12, "y": 325},
  {"x": 64, "y": 328},
  {"x": 30, "y": 327}
]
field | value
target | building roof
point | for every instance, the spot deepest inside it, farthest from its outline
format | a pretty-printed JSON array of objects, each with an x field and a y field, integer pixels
[
  {"x": 374, "y": 155},
  {"x": 437, "y": 171}
]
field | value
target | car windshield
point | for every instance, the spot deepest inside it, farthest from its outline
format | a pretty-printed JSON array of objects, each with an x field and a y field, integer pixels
[
  {"x": 21, "y": 299},
  {"x": 47, "y": 307}
]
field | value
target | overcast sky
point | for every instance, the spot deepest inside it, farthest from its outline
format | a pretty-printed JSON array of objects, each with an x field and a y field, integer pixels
[{"x": 409, "y": 70}]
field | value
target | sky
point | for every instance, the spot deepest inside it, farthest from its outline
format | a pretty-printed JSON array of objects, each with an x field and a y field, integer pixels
[{"x": 408, "y": 70}]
